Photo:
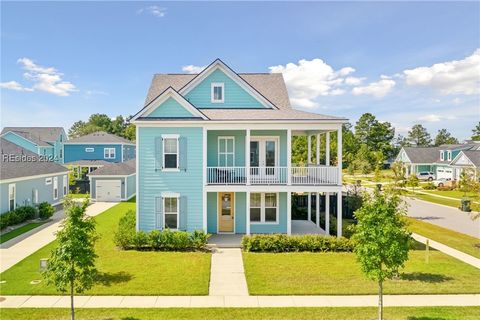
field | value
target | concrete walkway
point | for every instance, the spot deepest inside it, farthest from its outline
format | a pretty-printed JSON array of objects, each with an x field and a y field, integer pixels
[
  {"x": 14, "y": 254},
  {"x": 443, "y": 216},
  {"x": 227, "y": 276},
  {"x": 237, "y": 301},
  {"x": 449, "y": 251}
]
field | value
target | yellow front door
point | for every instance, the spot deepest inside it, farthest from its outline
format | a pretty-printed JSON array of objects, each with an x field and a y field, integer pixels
[{"x": 226, "y": 213}]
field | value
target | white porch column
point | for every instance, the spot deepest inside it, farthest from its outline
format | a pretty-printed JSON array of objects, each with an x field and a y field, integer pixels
[
  {"x": 247, "y": 156},
  {"x": 339, "y": 155},
  {"x": 318, "y": 148},
  {"x": 317, "y": 209},
  {"x": 327, "y": 149},
  {"x": 247, "y": 226},
  {"x": 309, "y": 204},
  {"x": 289, "y": 212},
  {"x": 339, "y": 213},
  {"x": 289, "y": 156},
  {"x": 327, "y": 213},
  {"x": 204, "y": 202},
  {"x": 309, "y": 149}
]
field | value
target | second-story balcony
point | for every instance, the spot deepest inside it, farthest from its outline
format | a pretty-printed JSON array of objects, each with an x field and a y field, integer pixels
[{"x": 311, "y": 175}]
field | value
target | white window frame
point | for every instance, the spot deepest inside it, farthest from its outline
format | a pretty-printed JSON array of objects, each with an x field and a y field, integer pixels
[
  {"x": 34, "y": 196},
  {"x": 213, "y": 86},
  {"x": 65, "y": 185},
  {"x": 61, "y": 153},
  {"x": 263, "y": 207},
  {"x": 109, "y": 155},
  {"x": 48, "y": 181},
  {"x": 12, "y": 186},
  {"x": 171, "y": 196},
  {"x": 55, "y": 188},
  {"x": 449, "y": 155},
  {"x": 89, "y": 149},
  {"x": 225, "y": 154},
  {"x": 442, "y": 156},
  {"x": 171, "y": 136}
]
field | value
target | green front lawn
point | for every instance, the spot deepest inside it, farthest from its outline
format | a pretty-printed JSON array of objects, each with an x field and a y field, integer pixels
[
  {"x": 462, "y": 242},
  {"x": 339, "y": 273},
  {"x": 15, "y": 233},
  {"x": 122, "y": 272},
  {"x": 450, "y": 193},
  {"x": 404, "y": 313},
  {"x": 78, "y": 195}
]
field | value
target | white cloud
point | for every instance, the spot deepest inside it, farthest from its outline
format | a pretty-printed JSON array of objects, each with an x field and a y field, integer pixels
[
  {"x": 377, "y": 89},
  {"x": 155, "y": 11},
  {"x": 309, "y": 79},
  {"x": 451, "y": 77},
  {"x": 193, "y": 69},
  {"x": 354, "y": 81},
  {"x": 435, "y": 118},
  {"x": 14, "y": 85},
  {"x": 47, "y": 79}
]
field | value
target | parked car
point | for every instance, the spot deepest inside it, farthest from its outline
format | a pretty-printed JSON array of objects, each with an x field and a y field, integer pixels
[
  {"x": 426, "y": 176},
  {"x": 441, "y": 182}
]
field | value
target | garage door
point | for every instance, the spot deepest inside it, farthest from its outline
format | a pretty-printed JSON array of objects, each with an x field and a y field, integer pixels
[
  {"x": 443, "y": 172},
  {"x": 109, "y": 190}
]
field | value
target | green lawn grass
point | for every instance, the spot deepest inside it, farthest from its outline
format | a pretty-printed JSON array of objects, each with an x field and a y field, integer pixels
[
  {"x": 339, "y": 273},
  {"x": 78, "y": 195},
  {"x": 462, "y": 242},
  {"x": 450, "y": 193},
  {"x": 400, "y": 313},
  {"x": 122, "y": 272},
  {"x": 15, "y": 233}
]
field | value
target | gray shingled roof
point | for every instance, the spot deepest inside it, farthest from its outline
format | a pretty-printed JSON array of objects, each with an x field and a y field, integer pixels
[
  {"x": 24, "y": 167},
  {"x": 423, "y": 154},
  {"x": 39, "y": 135},
  {"x": 86, "y": 163},
  {"x": 99, "y": 137},
  {"x": 270, "y": 85},
  {"x": 474, "y": 156},
  {"x": 116, "y": 169}
]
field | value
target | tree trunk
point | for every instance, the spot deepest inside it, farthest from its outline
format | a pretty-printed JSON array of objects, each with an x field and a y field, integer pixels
[
  {"x": 380, "y": 300},
  {"x": 71, "y": 301}
]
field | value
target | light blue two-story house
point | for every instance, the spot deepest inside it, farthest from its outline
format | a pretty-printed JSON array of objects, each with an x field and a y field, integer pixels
[
  {"x": 214, "y": 152},
  {"x": 44, "y": 141}
]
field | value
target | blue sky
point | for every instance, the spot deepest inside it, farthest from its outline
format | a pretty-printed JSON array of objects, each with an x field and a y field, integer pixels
[{"x": 62, "y": 62}]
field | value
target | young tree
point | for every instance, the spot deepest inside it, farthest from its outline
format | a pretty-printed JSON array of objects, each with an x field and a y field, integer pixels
[
  {"x": 399, "y": 173},
  {"x": 476, "y": 132},
  {"x": 419, "y": 136},
  {"x": 382, "y": 239},
  {"x": 444, "y": 137},
  {"x": 72, "y": 263},
  {"x": 412, "y": 181}
]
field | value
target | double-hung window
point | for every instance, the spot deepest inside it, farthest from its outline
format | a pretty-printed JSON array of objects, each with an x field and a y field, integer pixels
[
  {"x": 449, "y": 156},
  {"x": 55, "y": 188},
  {"x": 226, "y": 151},
  {"x": 65, "y": 185},
  {"x": 170, "y": 152},
  {"x": 34, "y": 196},
  {"x": 264, "y": 207},
  {"x": 218, "y": 93},
  {"x": 170, "y": 216},
  {"x": 109, "y": 153},
  {"x": 442, "y": 157},
  {"x": 11, "y": 196}
]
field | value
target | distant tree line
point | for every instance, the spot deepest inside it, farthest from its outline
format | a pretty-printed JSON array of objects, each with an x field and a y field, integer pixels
[{"x": 102, "y": 122}]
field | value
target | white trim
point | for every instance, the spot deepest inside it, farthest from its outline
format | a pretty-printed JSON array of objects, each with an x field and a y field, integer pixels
[
  {"x": 171, "y": 195},
  {"x": 234, "y": 212},
  {"x": 204, "y": 180},
  {"x": 65, "y": 185},
  {"x": 12, "y": 132},
  {"x": 263, "y": 207},
  {"x": 121, "y": 153},
  {"x": 295, "y": 125},
  {"x": 317, "y": 141},
  {"x": 309, "y": 149},
  {"x": 272, "y": 188},
  {"x": 213, "y": 85},
  {"x": 327, "y": 148},
  {"x": 109, "y": 150},
  {"x": 137, "y": 178},
  {"x": 449, "y": 155},
  {"x": 442, "y": 156},
  {"x": 99, "y": 143},
  {"x": 48, "y": 181},
  {"x": 177, "y": 138},
  {"x": 112, "y": 176},
  {"x": 55, "y": 188},
  {"x": 289, "y": 213},
  {"x": 169, "y": 93},
  {"x": 34, "y": 196},
  {"x": 126, "y": 187},
  {"x": 327, "y": 213},
  {"x": 226, "y": 153},
  {"x": 289, "y": 156},
  {"x": 14, "y": 187},
  {"x": 453, "y": 164},
  {"x": 247, "y": 155},
  {"x": 218, "y": 64},
  {"x": 89, "y": 149},
  {"x": 339, "y": 213},
  {"x": 317, "y": 209},
  {"x": 339, "y": 154},
  {"x": 247, "y": 214}
]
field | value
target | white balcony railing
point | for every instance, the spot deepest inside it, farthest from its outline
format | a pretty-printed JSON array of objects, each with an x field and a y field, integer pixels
[{"x": 316, "y": 175}]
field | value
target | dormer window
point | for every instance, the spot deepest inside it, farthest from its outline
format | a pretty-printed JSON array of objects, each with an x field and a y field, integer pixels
[
  {"x": 441, "y": 155},
  {"x": 449, "y": 156},
  {"x": 218, "y": 93}
]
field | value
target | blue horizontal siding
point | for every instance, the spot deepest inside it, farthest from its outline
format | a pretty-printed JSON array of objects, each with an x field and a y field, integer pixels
[
  {"x": 20, "y": 141},
  {"x": 170, "y": 109},
  {"x": 75, "y": 152}
]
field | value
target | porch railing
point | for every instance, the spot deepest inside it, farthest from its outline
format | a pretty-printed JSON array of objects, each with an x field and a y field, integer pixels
[{"x": 316, "y": 175}]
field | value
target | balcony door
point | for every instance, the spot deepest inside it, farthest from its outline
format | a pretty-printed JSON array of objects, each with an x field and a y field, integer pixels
[{"x": 263, "y": 159}]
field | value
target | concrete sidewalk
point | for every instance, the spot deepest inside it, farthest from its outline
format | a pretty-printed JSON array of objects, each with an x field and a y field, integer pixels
[
  {"x": 237, "y": 301},
  {"x": 227, "y": 276},
  {"x": 16, "y": 253}
]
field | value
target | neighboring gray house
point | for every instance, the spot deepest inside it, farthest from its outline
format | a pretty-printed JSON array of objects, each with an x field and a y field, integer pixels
[
  {"x": 439, "y": 160},
  {"x": 467, "y": 159},
  {"x": 113, "y": 182},
  {"x": 28, "y": 179}
]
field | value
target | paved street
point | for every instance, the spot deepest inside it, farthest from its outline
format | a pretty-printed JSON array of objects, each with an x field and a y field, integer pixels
[
  {"x": 14, "y": 254},
  {"x": 444, "y": 216}
]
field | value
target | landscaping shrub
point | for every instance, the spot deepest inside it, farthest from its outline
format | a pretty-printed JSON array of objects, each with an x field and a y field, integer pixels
[
  {"x": 19, "y": 215},
  {"x": 446, "y": 188},
  {"x": 45, "y": 210},
  {"x": 285, "y": 243},
  {"x": 126, "y": 237},
  {"x": 429, "y": 186}
]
